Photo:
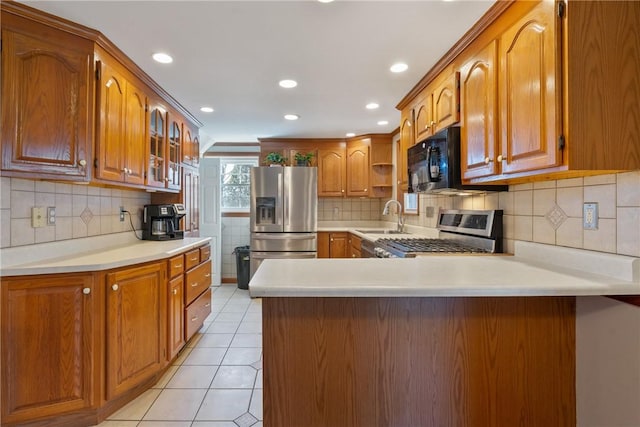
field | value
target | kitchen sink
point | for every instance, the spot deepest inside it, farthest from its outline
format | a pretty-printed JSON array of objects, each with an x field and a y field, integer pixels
[{"x": 381, "y": 231}]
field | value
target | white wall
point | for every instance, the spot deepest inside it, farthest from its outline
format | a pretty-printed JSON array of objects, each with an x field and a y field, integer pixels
[{"x": 235, "y": 232}]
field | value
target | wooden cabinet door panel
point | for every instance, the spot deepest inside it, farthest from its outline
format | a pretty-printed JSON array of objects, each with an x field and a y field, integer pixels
[
  {"x": 46, "y": 93},
  {"x": 339, "y": 245},
  {"x": 323, "y": 244},
  {"x": 406, "y": 141},
  {"x": 136, "y": 326},
  {"x": 331, "y": 173},
  {"x": 135, "y": 153},
  {"x": 111, "y": 101},
  {"x": 479, "y": 113},
  {"x": 175, "y": 311},
  {"x": 358, "y": 170},
  {"x": 446, "y": 103},
  {"x": 47, "y": 345},
  {"x": 424, "y": 118},
  {"x": 530, "y": 91}
]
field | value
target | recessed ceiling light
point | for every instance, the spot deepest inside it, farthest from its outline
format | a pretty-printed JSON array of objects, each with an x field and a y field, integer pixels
[
  {"x": 288, "y": 83},
  {"x": 350, "y": 134},
  {"x": 291, "y": 116},
  {"x": 399, "y": 67},
  {"x": 372, "y": 106},
  {"x": 206, "y": 109},
  {"x": 325, "y": 1},
  {"x": 383, "y": 123},
  {"x": 162, "y": 58}
]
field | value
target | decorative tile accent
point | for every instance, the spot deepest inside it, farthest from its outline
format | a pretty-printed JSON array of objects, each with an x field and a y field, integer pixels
[
  {"x": 86, "y": 216},
  {"x": 556, "y": 217},
  {"x": 245, "y": 420}
]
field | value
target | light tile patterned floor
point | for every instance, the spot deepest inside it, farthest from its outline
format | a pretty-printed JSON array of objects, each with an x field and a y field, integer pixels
[{"x": 216, "y": 380}]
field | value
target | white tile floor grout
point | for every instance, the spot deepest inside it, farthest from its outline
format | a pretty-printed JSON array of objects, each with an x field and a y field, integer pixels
[{"x": 216, "y": 381}]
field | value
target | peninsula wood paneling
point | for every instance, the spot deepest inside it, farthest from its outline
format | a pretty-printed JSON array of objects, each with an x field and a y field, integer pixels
[{"x": 419, "y": 361}]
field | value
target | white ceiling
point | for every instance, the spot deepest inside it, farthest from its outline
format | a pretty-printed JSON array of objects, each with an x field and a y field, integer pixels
[{"x": 230, "y": 55}]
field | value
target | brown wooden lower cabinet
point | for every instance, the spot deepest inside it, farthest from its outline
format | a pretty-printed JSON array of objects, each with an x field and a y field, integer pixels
[
  {"x": 48, "y": 346},
  {"x": 136, "y": 326},
  {"x": 333, "y": 244},
  {"x": 425, "y": 362},
  {"x": 77, "y": 347}
]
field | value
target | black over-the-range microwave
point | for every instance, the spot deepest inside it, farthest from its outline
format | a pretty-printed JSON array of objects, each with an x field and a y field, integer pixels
[{"x": 434, "y": 165}]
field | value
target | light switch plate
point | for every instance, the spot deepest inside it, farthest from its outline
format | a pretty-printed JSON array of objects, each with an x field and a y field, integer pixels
[
  {"x": 590, "y": 216},
  {"x": 38, "y": 217}
]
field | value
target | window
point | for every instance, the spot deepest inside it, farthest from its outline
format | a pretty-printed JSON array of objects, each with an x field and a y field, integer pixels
[{"x": 235, "y": 184}]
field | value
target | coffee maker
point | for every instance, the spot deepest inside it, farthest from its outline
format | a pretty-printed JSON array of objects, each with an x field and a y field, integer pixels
[{"x": 162, "y": 222}]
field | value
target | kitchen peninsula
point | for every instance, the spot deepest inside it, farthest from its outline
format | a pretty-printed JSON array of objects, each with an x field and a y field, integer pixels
[{"x": 429, "y": 341}]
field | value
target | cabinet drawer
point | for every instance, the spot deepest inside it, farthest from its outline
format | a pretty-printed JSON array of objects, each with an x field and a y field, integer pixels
[
  {"x": 176, "y": 266},
  {"x": 195, "y": 314},
  {"x": 192, "y": 258},
  {"x": 205, "y": 253},
  {"x": 197, "y": 280}
]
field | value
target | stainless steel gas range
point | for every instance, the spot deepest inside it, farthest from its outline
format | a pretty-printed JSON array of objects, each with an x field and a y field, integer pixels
[{"x": 461, "y": 231}]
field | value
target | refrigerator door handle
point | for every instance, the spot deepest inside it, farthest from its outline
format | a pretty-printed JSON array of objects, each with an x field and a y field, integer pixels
[
  {"x": 282, "y": 198},
  {"x": 287, "y": 237}
]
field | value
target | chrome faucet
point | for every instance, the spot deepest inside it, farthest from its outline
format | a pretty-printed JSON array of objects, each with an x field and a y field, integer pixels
[{"x": 385, "y": 211}]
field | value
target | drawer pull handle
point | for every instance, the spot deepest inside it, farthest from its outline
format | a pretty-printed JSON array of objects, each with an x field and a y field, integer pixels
[
  {"x": 194, "y": 284},
  {"x": 207, "y": 275},
  {"x": 86, "y": 291},
  {"x": 193, "y": 259},
  {"x": 178, "y": 266},
  {"x": 207, "y": 304},
  {"x": 114, "y": 287},
  {"x": 193, "y": 319}
]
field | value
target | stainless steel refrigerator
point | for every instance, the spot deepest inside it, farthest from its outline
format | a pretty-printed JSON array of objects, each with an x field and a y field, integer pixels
[{"x": 284, "y": 213}]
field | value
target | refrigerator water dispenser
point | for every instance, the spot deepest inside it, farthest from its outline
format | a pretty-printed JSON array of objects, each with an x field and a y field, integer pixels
[{"x": 266, "y": 210}]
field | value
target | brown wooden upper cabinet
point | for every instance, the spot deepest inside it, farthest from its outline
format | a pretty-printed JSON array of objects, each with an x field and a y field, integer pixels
[
  {"x": 407, "y": 139},
  {"x": 47, "y": 97},
  {"x": 75, "y": 108},
  {"x": 438, "y": 107},
  {"x": 535, "y": 102},
  {"x": 479, "y": 114},
  {"x": 331, "y": 172},
  {"x": 122, "y": 123},
  {"x": 190, "y": 146},
  {"x": 530, "y": 91},
  {"x": 358, "y": 167}
]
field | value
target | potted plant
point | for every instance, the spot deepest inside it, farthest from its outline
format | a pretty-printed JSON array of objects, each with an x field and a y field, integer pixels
[
  {"x": 275, "y": 159},
  {"x": 303, "y": 159}
]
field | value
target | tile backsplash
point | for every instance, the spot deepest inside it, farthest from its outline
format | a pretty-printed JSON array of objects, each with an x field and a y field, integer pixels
[
  {"x": 341, "y": 209},
  {"x": 551, "y": 212},
  {"x": 81, "y": 210}
]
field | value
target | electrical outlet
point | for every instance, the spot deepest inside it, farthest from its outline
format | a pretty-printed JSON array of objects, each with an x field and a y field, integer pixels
[
  {"x": 51, "y": 215},
  {"x": 590, "y": 216},
  {"x": 121, "y": 213}
]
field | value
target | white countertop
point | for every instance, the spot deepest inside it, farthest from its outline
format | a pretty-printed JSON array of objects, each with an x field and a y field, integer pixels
[
  {"x": 119, "y": 255},
  {"x": 453, "y": 275}
]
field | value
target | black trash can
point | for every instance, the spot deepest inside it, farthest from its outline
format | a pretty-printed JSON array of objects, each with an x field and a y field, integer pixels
[{"x": 242, "y": 266}]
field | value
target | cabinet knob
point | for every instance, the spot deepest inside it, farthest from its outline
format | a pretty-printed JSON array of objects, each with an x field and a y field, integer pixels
[
  {"x": 124, "y": 170},
  {"x": 343, "y": 191},
  {"x": 115, "y": 286},
  {"x": 487, "y": 160},
  {"x": 82, "y": 162},
  {"x": 365, "y": 190},
  {"x": 175, "y": 292},
  {"x": 500, "y": 158},
  {"x": 432, "y": 123},
  {"x": 86, "y": 291}
]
